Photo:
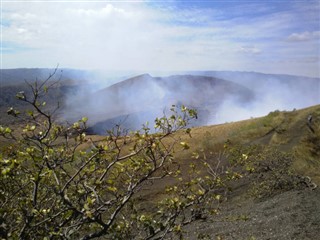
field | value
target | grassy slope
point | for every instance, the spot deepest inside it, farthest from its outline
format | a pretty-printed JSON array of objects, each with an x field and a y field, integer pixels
[
  {"x": 289, "y": 131},
  {"x": 287, "y": 215},
  {"x": 283, "y": 215}
]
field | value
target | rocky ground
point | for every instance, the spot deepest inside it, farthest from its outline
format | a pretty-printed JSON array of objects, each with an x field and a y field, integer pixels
[{"x": 293, "y": 214}]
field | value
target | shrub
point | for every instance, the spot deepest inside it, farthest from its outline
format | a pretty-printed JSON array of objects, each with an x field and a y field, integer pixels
[{"x": 56, "y": 183}]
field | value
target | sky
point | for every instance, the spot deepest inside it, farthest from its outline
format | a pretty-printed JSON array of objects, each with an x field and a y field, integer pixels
[{"x": 274, "y": 36}]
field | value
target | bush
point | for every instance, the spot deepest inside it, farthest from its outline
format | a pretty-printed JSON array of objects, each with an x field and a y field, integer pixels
[{"x": 56, "y": 183}]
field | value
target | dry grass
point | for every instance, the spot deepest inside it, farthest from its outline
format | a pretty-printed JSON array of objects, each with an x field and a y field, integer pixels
[{"x": 288, "y": 131}]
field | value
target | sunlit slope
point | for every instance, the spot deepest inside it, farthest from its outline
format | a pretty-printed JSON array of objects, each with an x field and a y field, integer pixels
[{"x": 288, "y": 131}]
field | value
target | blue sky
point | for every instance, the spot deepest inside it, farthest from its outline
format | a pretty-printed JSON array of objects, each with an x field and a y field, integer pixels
[{"x": 265, "y": 36}]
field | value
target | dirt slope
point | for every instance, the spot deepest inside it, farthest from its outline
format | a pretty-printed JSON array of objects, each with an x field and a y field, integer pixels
[{"x": 289, "y": 215}]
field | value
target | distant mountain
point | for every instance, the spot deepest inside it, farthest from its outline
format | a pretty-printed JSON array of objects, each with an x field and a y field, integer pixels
[
  {"x": 70, "y": 83},
  {"x": 143, "y": 98},
  {"x": 219, "y": 96},
  {"x": 10, "y": 77},
  {"x": 302, "y": 91},
  {"x": 13, "y": 81},
  {"x": 99, "y": 78}
]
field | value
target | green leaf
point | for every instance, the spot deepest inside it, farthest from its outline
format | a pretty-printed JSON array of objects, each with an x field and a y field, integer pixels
[
  {"x": 21, "y": 95},
  {"x": 184, "y": 145},
  {"x": 30, "y": 113},
  {"x": 7, "y": 130},
  {"x": 5, "y": 171}
]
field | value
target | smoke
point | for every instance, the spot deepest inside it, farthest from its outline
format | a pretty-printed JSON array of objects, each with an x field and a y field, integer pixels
[
  {"x": 273, "y": 92},
  {"x": 219, "y": 97},
  {"x": 102, "y": 100}
]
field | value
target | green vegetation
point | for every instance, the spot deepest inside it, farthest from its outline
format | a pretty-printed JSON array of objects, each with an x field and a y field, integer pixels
[{"x": 56, "y": 183}]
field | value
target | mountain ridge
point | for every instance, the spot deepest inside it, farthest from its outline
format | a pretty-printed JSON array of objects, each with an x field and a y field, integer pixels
[{"x": 151, "y": 95}]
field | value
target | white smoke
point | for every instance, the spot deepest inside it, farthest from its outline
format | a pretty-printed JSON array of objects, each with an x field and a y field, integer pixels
[
  {"x": 153, "y": 95},
  {"x": 273, "y": 92}
]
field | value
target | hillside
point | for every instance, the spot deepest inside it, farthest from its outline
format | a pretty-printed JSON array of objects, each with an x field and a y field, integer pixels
[
  {"x": 16, "y": 76},
  {"x": 285, "y": 130},
  {"x": 258, "y": 205},
  {"x": 260, "y": 81},
  {"x": 71, "y": 84},
  {"x": 289, "y": 211},
  {"x": 274, "y": 91},
  {"x": 288, "y": 214}
]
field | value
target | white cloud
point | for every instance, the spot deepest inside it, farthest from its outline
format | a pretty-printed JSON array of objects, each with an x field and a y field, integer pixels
[
  {"x": 137, "y": 36},
  {"x": 250, "y": 50},
  {"x": 304, "y": 36},
  {"x": 102, "y": 12}
]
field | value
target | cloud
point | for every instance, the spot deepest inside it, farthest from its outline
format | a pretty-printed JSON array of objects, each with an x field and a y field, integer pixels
[
  {"x": 250, "y": 50},
  {"x": 145, "y": 36},
  {"x": 100, "y": 13},
  {"x": 304, "y": 36}
]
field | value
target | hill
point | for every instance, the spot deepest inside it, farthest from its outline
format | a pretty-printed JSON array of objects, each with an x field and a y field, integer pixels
[
  {"x": 273, "y": 91},
  {"x": 70, "y": 83},
  {"x": 218, "y": 96},
  {"x": 285, "y": 130},
  {"x": 262, "y": 81},
  {"x": 281, "y": 214},
  {"x": 143, "y": 98},
  {"x": 279, "y": 200}
]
